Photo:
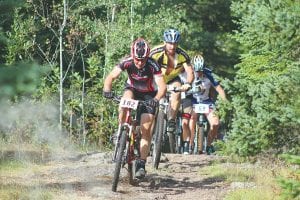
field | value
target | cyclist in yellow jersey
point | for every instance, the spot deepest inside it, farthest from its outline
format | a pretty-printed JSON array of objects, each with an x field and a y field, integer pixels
[{"x": 173, "y": 61}]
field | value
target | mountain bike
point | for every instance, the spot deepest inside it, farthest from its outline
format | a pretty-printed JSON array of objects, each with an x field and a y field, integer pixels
[
  {"x": 163, "y": 139},
  {"x": 202, "y": 127},
  {"x": 127, "y": 144}
]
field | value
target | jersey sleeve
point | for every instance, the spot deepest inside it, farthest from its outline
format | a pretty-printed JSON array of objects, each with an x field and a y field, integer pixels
[
  {"x": 209, "y": 75},
  {"x": 185, "y": 56},
  {"x": 124, "y": 64},
  {"x": 155, "y": 66}
]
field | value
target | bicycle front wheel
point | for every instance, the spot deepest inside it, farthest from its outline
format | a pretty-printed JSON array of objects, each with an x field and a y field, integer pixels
[
  {"x": 120, "y": 159},
  {"x": 172, "y": 142},
  {"x": 159, "y": 132},
  {"x": 200, "y": 138}
]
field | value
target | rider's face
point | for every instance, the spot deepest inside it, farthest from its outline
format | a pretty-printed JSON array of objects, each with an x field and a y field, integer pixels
[
  {"x": 200, "y": 74},
  {"x": 171, "y": 48},
  {"x": 139, "y": 63}
]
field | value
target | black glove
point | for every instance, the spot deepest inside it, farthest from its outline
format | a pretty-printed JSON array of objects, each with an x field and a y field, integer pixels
[
  {"x": 152, "y": 102},
  {"x": 108, "y": 95}
]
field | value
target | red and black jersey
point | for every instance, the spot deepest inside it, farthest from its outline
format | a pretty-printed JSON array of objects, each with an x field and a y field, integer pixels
[{"x": 141, "y": 79}]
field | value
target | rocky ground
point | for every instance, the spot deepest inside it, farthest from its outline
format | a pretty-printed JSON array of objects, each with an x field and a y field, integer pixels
[{"x": 89, "y": 176}]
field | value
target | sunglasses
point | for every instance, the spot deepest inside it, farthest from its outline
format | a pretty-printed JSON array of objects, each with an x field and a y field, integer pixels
[{"x": 140, "y": 59}]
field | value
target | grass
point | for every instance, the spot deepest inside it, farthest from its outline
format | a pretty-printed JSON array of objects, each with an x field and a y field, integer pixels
[
  {"x": 11, "y": 186},
  {"x": 262, "y": 183},
  {"x": 16, "y": 192},
  {"x": 251, "y": 194},
  {"x": 11, "y": 165}
]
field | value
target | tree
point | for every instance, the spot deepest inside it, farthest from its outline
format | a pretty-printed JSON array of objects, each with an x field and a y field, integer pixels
[{"x": 263, "y": 110}]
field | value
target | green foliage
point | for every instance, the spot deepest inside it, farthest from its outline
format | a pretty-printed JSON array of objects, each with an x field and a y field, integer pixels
[
  {"x": 291, "y": 185},
  {"x": 20, "y": 79},
  {"x": 262, "y": 108},
  {"x": 96, "y": 36},
  {"x": 6, "y": 18}
]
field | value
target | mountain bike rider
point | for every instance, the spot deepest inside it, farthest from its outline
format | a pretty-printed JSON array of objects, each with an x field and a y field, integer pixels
[
  {"x": 173, "y": 61},
  {"x": 145, "y": 82},
  {"x": 204, "y": 77},
  {"x": 186, "y": 114}
]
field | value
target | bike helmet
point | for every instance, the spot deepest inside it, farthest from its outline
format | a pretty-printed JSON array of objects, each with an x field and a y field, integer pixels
[
  {"x": 140, "y": 49},
  {"x": 171, "y": 36},
  {"x": 198, "y": 62}
]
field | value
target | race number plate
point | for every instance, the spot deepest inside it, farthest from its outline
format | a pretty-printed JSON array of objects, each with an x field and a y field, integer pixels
[
  {"x": 129, "y": 103},
  {"x": 201, "y": 108}
]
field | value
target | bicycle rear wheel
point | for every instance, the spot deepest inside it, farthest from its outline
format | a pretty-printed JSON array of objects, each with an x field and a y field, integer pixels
[
  {"x": 159, "y": 132},
  {"x": 120, "y": 159}
]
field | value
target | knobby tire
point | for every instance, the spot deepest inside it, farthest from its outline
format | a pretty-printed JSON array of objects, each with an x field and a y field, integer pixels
[
  {"x": 200, "y": 139},
  {"x": 119, "y": 160},
  {"x": 172, "y": 142},
  {"x": 178, "y": 136},
  {"x": 159, "y": 132}
]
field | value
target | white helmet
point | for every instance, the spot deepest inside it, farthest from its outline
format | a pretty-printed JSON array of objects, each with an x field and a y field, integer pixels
[{"x": 198, "y": 62}]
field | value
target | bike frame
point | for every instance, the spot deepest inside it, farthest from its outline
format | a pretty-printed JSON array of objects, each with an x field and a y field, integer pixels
[
  {"x": 129, "y": 124},
  {"x": 128, "y": 139},
  {"x": 202, "y": 126}
]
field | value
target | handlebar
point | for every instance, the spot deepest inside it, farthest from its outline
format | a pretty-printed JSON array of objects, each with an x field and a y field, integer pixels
[
  {"x": 171, "y": 88},
  {"x": 118, "y": 99},
  {"x": 194, "y": 89}
]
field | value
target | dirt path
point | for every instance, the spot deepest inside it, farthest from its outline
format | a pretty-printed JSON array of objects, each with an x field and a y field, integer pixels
[{"x": 89, "y": 177}]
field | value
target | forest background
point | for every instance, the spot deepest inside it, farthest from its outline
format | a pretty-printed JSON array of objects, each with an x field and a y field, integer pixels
[{"x": 55, "y": 54}]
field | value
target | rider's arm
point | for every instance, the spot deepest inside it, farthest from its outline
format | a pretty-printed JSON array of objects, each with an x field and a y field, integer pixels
[
  {"x": 162, "y": 87},
  {"x": 114, "y": 74},
  {"x": 189, "y": 77},
  {"x": 221, "y": 92},
  {"x": 190, "y": 73}
]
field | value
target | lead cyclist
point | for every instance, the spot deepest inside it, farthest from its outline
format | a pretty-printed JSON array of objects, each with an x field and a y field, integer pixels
[
  {"x": 145, "y": 82},
  {"x": 204, "y": 77}
]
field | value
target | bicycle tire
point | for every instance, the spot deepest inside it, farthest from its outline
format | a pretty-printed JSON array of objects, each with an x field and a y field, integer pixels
[
  {"x": 159, "y": 132},
  {"x": 131, "y": 170},
  {"x": 200, "y": 139},
  {"x": 119, "y": 160},
  {"x": 172, "y": 142},
  {"x": 179, "y": 144}
]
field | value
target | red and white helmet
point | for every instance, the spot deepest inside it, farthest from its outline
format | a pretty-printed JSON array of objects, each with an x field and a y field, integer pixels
[{"x": 140, "y": 49}]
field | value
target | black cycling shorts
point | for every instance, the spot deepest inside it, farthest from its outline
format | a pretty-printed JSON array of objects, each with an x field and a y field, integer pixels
[{"x": 143, "y": 96}]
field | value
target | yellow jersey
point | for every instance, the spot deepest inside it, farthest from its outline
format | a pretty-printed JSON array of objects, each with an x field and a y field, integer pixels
[{"x": 159, "y": 54}]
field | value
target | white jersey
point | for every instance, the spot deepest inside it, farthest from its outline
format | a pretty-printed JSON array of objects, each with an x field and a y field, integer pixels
[{"x": 206, "y": 82}]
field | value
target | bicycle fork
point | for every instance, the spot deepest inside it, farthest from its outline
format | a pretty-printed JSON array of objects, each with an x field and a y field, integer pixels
[{"x": 122, "y": 129}]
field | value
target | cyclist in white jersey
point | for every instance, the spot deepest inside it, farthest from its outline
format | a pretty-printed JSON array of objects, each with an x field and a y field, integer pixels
[{"x": 204, "y": 77}]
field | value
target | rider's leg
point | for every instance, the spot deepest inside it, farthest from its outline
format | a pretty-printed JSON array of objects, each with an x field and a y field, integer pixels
[
  {"x": 129, "y": 95},
  {"x": 174, "y": 101},
  {"x": 146, "y": 134},
  {"x": 186, "y": 135},
  {"x": 214, "y": 123},
  {"x": 192, "y": 125},
  {"x": 186, "y": 116}
]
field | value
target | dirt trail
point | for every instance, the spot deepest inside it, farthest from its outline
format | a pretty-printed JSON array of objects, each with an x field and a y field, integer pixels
[{"x": 88, "y": 177}]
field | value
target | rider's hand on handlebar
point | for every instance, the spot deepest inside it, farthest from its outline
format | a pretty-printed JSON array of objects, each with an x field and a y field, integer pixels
[
  {"x": 186, "y": 87},
  {"x": 152, "y": 102},
  {"x": 108, "y": 95}
]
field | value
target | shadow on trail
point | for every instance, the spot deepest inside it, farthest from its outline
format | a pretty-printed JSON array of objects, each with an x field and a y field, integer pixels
[
  {"x": 167, "y": 182},
  {"x": 181, "y": 177}
]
